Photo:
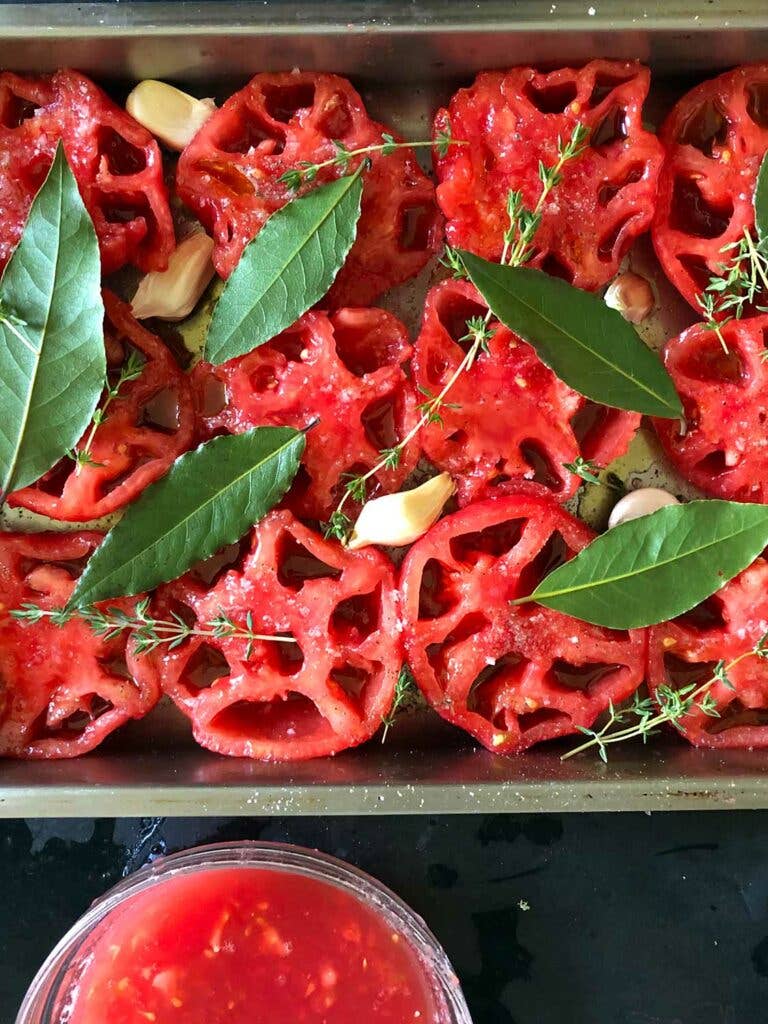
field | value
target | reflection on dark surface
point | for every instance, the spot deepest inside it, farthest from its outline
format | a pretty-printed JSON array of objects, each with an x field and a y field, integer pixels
[{"x": 581, "y": 919}]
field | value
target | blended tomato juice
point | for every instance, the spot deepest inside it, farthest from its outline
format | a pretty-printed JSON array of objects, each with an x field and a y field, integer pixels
[{"x": 249, "y": 945}]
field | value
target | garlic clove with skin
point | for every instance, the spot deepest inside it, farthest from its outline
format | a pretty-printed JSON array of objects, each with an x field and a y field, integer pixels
[
  {"x": 172, "y": 294},
  {"x": 394, "y": 520},
  {"x": 631, "y": 295},
  {"x": 640, "y": 503},
  {"x": 172, "y": 116}
]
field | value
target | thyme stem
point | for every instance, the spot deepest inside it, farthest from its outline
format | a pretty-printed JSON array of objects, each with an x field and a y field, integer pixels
[
  {"x": 148, "y": 632},
  {"x": 130, "y": 370}
]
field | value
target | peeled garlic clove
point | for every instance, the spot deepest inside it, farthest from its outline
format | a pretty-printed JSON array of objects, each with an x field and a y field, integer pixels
[
  {"x": 174, "y": 117},
  {"x": 640, "y": 503},
  {"x": 631, "y": 295},
  {"x": 172, "y": 294},
  {"x": 397, "y": 519}
]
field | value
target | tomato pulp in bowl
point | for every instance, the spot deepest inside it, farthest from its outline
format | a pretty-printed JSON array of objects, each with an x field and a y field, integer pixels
[{"x": 247, "y": 932}]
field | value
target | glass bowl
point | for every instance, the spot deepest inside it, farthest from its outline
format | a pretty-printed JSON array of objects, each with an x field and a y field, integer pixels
[{"x": 49, "y": 995}]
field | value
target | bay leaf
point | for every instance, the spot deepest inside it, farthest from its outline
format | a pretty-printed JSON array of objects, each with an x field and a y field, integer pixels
[
  {"x": 208, "y": 499},
  {"x": 588, "y": 345},
  {"x": 651, "y": 569},
  {"x": 52, "y": 361},
  {"x": 760, "y": 201},
  {"x": 286, "y": 268}
]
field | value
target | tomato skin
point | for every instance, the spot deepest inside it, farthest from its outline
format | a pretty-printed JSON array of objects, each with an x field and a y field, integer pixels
[
  {"x": 508, "y": 419},
  {"x": 340, "y": 377},
  {"x": 116, "y": 162},
  {"x": 229, "y": 176},
  {"x": 287, "y": 702},
  {"x": 60, "y": 695},
  {"x": 715, "y": 137},
  {"x": 511, "y": 676},
  {"x": 722, "y": 448},
  {"x": 130, "y": 454},
  {"x": 512, "y": 120},
  {"x": 687, "y": 650}
]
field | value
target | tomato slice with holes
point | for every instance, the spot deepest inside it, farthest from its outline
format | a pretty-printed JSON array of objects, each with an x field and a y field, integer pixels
[
  {"x": 229, "y": 175},
  {"x": 509, "y": 675},
  {"x": 509, "y": 418},
  {"x": 722, "y": 446},
  {"x": 321, "y": 691},
  {"x": 715, "y": 138},
  {"x": 722, "y": 628},
  {"x": 145, "y": 428},
  {"x": 512, "y": 120},
  {"x": 341, "y": 373},
  {"x": 117, "y": 164},
  {"x": 62, "y": 689}
]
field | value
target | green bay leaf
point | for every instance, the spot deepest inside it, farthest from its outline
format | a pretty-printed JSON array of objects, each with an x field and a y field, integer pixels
[
  {"x": 760, "y": 201},
  {"x": 52, "y": 362},
  {"x": 208, "y": 499},
  {"x": 651, "y": 569},
  {"x": 588, "y": 345},
  {"x": 286, "y": 268}
]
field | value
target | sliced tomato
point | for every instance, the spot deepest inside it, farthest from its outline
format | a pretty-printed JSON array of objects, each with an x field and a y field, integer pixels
[
  {"x": 62, "y": 688},
  {"x": 145, "y": 428},
  {"x": 688, "y": 649},
  {"x": 117, "y": 164},
  {"x": 715, "y": 138},
  {"x": 509, "y": 675},
  {"x": 512, "y": 121},
  {"x": 229, "y": 175},
  {"x": 322, "y": 690},
  {"x": 509, "y": 418},
  {"x": 339, "y": 374},
  {"x": 722, "y": 445}
]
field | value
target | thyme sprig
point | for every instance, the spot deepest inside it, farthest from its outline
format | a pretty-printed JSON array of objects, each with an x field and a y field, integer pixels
[
  {"x": 130, "y": 370},
  {"x": 406, "y": 695},
  {"x": 307, "y": 171},
  {"x": 740, "y": 279},
  {"x": 517, "y": 249},
  {"x": 671, "y": 706},
  {"x": 589, "y": 473},
  {"x": 149, "y": 633}
]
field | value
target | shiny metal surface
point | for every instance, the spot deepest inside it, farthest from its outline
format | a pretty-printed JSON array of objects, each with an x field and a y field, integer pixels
[
  {"x": 409, "y": 41},
  {"x": 406, "y": 58}
]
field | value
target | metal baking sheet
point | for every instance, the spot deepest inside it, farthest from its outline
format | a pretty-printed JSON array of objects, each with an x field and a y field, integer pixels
[{"x": 406, "y": 58}]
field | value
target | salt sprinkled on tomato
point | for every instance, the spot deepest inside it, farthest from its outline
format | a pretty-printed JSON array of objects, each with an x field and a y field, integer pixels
[{"x": 242, "y": 945}]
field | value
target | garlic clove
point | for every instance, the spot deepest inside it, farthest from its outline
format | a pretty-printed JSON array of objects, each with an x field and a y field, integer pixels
[
  {"x": 174, "y": 117},
  {"x": 631, "y": 295},
  {"x": 172, "y": 294},
  {"x": 394, "y": 520},
  {"x": 640, "y": 503}
]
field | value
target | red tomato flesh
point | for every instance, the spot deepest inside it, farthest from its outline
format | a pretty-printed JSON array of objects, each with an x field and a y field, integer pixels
[
  {"x": 342, "y": 374},
  {"x": 508, "y": 419},
  {"x": 722, "y": 446},
  {"x": 510, "y": 675},
  {"x": 116, "y": 162},
  {"x": 229, "y": 175},
  {"x": 715, "y": 137},
  {"x": 62, "y": 688},
  {"x": 512, "y": 120},
  {"x": 148, "y": 425},
  {"x": 722, "y": 628},
  {"x": 326, "y": 689},
  {"x": 240, "y": 945}
]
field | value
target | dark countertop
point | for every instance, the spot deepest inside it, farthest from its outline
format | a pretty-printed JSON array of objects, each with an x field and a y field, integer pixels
[{"x": 631, "y": 919}]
